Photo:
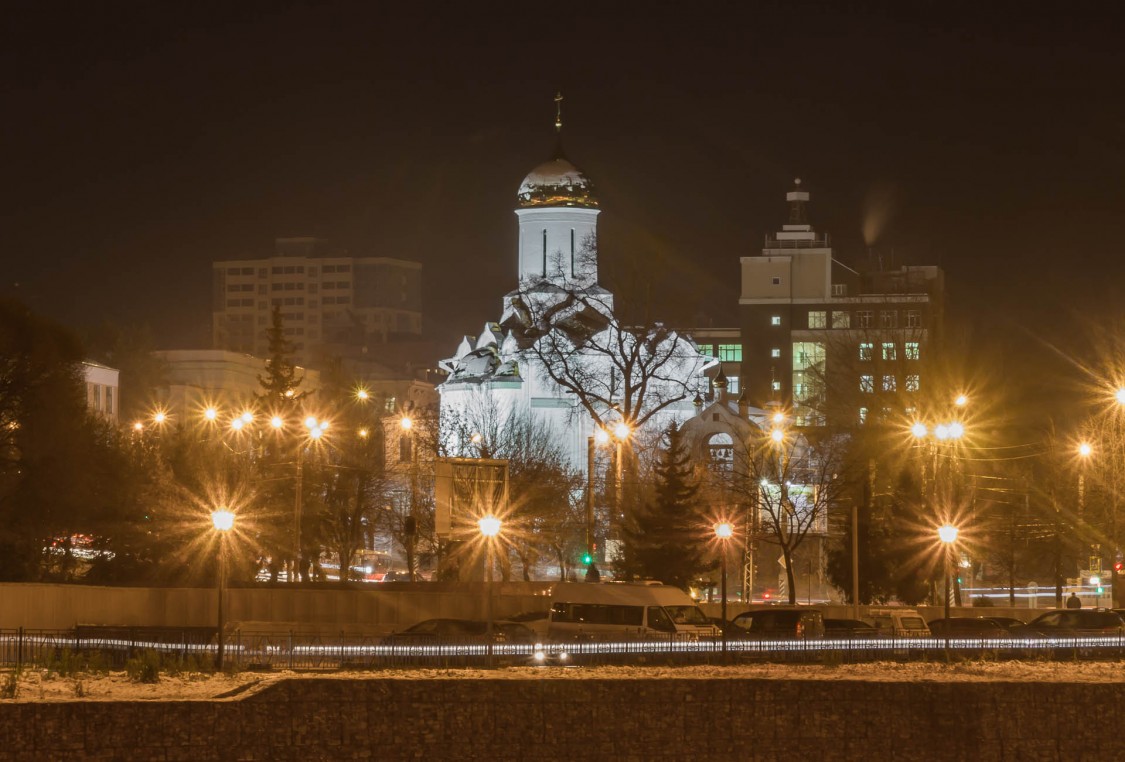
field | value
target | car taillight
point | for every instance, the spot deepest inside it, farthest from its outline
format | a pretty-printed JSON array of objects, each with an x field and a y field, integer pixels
[{"x": 800, "y": 628}]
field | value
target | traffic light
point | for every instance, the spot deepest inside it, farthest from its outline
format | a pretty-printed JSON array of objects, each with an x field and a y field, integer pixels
[
  {"x": 1117, "y": 566},
  {"x": 587, "y": 559}
]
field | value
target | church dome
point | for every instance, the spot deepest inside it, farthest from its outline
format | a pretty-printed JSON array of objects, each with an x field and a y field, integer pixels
[{"x": 557, "y": 183}]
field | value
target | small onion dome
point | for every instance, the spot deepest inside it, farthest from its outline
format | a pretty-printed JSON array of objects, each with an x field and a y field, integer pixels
[
  {"x": 720, "y": 381},
  {"x": 698, "y": 401},
  {"x": 557, "y": 183}
]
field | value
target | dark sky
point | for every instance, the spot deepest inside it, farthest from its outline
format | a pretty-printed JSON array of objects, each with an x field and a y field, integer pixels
[{"x": 142, "y": 142}]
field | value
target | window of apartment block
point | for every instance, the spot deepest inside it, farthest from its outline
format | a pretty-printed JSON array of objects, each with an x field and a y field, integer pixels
[
  {"x": 867, "y": 384},
  {"x": 865, "y": 351},
  {"x": 776, "y": 386},
  {"x": 706, "y": 349},
  {"x": 775, "y": 320},
  {"x": 730, "y": 352},
  {"x": 839, "y": 289},
  {"x": 863, "y": 415},
  {"x": 888, "y": 318},
  {"x": 775, "y": 352},
  {"x": 817, "y": 319},
  {"x": 913, "y": 382},
  {"x": 732, "y": 384},
  {"x": 913, "y": 319},
  {"x": 864, "y": 318},
  {"x": 262, "y": 272},
  {"x": 775, "y": 280},
  {"x": 841, "y": 319},
  {"x": 889, "y": 353},
  {"x": 889, "y": 384},
  {"x": 911, "y": 350}
]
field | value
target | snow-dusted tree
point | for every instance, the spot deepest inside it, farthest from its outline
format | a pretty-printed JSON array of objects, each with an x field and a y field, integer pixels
[
  {"x": 544, "y": 490},
  {"x": 793, "y": 481}
]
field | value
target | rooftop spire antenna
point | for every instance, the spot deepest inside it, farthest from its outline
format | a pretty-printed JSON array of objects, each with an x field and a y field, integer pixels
[{"x": 558, "y": 111}]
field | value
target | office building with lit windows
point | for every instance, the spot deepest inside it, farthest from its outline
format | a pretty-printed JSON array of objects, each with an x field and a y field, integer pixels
[
  {"x": 330, "y": 301},
  {"x": 816, "y": 331}
]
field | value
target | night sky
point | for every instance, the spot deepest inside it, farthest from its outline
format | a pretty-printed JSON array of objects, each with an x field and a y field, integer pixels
[{"x": 142, "y": 142}]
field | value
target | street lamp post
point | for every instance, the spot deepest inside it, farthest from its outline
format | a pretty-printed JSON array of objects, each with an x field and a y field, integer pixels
[
  {"x": 489, "y": 529},
  {"x": 411, "y": 523},
  {"x": 723, "y": 531},
  {"x": 223, "y": 520},
  {"x": 948, "y": 535}
]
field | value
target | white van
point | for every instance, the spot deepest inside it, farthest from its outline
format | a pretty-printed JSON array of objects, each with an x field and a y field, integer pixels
[
  {"x": 607, "y": 610},
  {"x": 898, "y": 623}
]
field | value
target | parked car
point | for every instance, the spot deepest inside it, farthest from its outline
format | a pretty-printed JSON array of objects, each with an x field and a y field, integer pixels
[
  {"x": 848, "y": 629},
  {"x": 1070, "y": 622},
  {"x": 777, "y": 622},
  {"x": 968, "y": 627},
  {"x": 456, "y": 631},
  {"x": 536, "y": 621},
  {"x": 899, "y": 623}
]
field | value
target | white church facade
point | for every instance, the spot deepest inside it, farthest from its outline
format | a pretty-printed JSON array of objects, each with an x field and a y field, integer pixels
[{"x": 559, "y": 323}]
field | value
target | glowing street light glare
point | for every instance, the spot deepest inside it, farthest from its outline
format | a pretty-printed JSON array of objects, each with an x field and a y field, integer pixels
[
  {"x": 159, "y": 417},
  {"x": 276, "y": 422},
  {"x": 362, "y": 394},
  {"x": 941, "y": 431},
  {"x": 947, "y": 534},
  {"x": 779, "y": 418},
  {"x": 363, "y": 433},
  {"x": 138, "y": 426},
  {"x": 489, "y": 525},
  {"x": 961, "y": 400},
  {"x": 1095, "y": 580},
  {"x": 222, "y": 519},
  {"x": 247, "y": 416},
  {"x": 237, "y": 424},
  {"x": 601, "y": 436},
  {"x": 920, "y": 430},
  {"x": 764, "y": 482},
  {"x": 622, "y": 430},
  {"x": 475, "y": 438},
  {"x": 406, "y": 423},
  {"x": 316, "y": 432},
  {"x": 210, "y": 414},
  {"x": 1085, "y": 450},
  {"x": 777, "y": 435},
  {"x": 1119, "y": 395},
  {"x": 310, "y": 423},
  {"x": 956, "y": 430},
  {"x": 724, "y": 530},
  {"x": 323, "y": 425}
]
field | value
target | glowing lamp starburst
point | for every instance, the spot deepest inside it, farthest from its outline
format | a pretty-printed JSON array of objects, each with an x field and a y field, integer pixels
[
  {"x": 724, "y": 530},
  {"x": 1085, "y": 450},
  {"x": 489, "y": 526},
  {"x": 622, "y": 431},
  {"x": 956, "y": 430},
  {"x": 601, "y": 436},
  {"x": 947, "y": 534},
  {"x": 277, "y": 422},
  {"x": 237, "y": 424},
  {"x": 222, "y": 519},
  {"x": 210, "y": 414},
  {"x": 406, "y": 423},
  {"x": 777, "y": 435},
  {"x": 920, "y": 430},
  {"x": 159, "y": 417},
  {"x": 246, "y": 416}
]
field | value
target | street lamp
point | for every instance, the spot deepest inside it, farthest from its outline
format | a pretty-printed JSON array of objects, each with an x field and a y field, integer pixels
[
  {"x": 489, "y": 528},
  {"x": 223, "y": 521},
  {"x": 948, "y": 535},
  {"x": 723, "y": 531}
]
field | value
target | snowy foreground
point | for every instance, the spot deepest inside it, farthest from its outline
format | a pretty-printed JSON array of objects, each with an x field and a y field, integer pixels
[{"x": 37, "y": 685}]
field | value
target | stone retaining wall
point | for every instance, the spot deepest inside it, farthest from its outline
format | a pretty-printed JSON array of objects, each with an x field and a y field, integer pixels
[{"x": 586, "y": 719}]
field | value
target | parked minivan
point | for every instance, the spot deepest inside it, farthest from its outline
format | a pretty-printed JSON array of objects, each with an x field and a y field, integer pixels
[
  {"x": 796, "y": 622},
  {"x": 605, "y": 610},
  {"x": 898, "y": 623}
]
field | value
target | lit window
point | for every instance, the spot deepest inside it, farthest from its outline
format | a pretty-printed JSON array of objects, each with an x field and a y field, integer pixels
[
  {"x": 865, "y": 351},
  {"x": 913, "y": 319},
  {"x": 888, "y": 318},
  {"x": 817, "y": 319},
  {"x": 863, "y": 318},
  {"x": 706, "y": 349},
  {"x": 775, "y": 352},
  {"x": 911, "y": 350},
  {"x": 775, "y": 320},
  {"x": 867, "y": 384},
  {"x": 889, "y": 352},
  {"x": 732, "y": 384},
  {"x": 730, "y": 352},
  {"x": 776, "y": 385},
  {"x": 841, "y": 319},
  {"x": 863, "y": 415},
  {"x": 913, "y": 382},
  {"x": 889, "y": 383}
]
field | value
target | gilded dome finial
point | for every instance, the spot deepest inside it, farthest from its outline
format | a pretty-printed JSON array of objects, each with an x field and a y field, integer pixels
[{"x": 558, "y": 111}]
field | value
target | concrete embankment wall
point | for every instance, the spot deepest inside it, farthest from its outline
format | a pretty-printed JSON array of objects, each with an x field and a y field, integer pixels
[
  {"x": 315, "y": 609},
  {"x": 587, "y": 719}
]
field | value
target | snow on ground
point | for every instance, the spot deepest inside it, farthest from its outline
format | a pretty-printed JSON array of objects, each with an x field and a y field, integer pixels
[{"x": 38, "y": 685}]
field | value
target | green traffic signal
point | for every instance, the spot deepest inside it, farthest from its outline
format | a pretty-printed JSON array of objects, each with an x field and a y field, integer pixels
[{"x": 587, "y": 559}]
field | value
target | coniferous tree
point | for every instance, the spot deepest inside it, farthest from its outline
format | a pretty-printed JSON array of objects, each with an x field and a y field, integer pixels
[
  {"x": 667, "y": 539},
  {"x": 281, "y": 381}
]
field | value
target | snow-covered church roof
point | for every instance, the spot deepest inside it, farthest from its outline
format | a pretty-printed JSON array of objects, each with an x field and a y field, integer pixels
[{"x": 557, "y": 183}]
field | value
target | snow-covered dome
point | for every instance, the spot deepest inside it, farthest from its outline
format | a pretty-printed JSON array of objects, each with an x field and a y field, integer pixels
[{"x": 557, "y": 183}]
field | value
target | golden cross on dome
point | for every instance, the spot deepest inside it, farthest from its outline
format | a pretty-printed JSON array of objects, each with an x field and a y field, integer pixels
[{"x": 558, "y": 112}]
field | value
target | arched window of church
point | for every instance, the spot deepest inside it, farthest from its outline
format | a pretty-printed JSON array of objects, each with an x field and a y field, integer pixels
[
  {"x": 720, "y": 452},
  {"x": 544, "y": 252},
  {"x": 572, "y": 252}
]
